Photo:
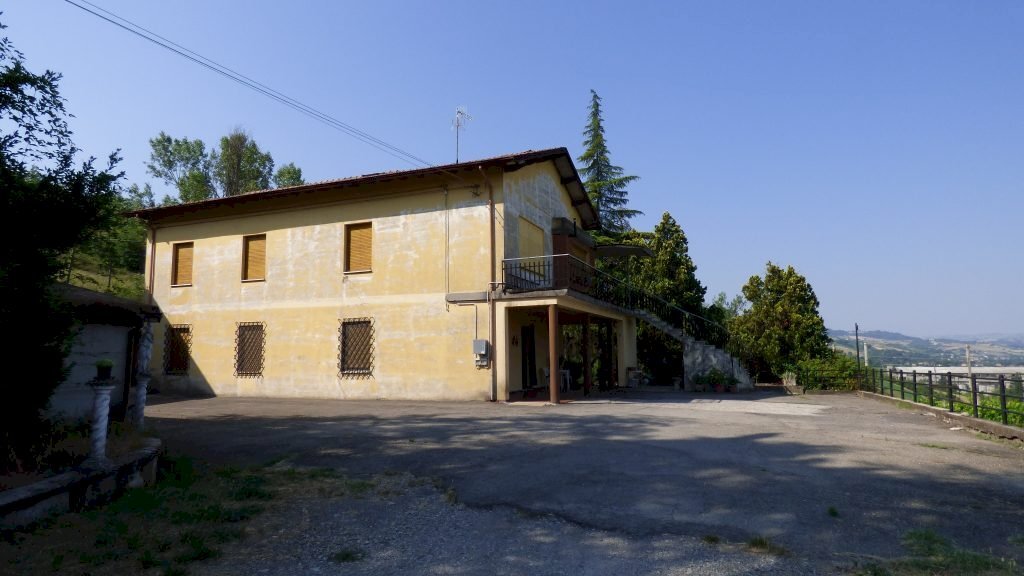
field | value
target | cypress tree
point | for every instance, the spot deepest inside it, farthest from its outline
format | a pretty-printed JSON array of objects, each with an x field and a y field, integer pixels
[{"x": 606, "y": 183}]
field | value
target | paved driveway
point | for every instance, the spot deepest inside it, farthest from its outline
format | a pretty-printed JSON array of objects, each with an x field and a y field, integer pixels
[{"x": 649, "y": 464}]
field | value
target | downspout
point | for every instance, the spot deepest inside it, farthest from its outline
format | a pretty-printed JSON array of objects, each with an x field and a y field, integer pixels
[
  {"x": 491, "y": 287},
  {"x": 152, "y": 262}
]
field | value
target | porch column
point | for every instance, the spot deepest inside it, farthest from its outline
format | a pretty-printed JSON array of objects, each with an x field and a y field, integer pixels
[
  {"x": 587, "y": 358},
  {"x": 626, "y": 348},
  {"x": 553, "y": 374}
]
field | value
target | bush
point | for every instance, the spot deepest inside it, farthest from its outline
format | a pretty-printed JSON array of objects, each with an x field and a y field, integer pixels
[{"x": 833, "y": 372}]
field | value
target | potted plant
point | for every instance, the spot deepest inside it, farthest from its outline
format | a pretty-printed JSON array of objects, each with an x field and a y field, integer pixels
[
  {"x": 731, "y": 384},
  {"x": 104, "y": 366}
]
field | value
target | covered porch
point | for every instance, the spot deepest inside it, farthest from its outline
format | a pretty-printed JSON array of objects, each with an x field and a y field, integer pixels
[{"x": 553, "y": 346}]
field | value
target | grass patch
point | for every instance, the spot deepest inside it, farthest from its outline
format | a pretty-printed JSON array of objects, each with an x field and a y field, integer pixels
[
  {"x": 931, "y": 554},
  {"x": 1016, "y": 539},
  {"x": 710, "y": 539},
  {"x": 347, "y": 555},
  {"x": 451, "y": 496},
  {"x": 765, "y": 545},
  {"x": 186, "y": 517},
  {"x": 936, "y": 446}
]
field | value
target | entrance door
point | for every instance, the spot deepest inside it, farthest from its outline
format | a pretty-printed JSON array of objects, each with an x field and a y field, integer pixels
[{"x": 526, "y": 337}]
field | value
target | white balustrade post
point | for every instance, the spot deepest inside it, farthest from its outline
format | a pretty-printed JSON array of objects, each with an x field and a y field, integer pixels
[
  {"x": 100, "y": 413},
  {"x": 142, "y": 374}
]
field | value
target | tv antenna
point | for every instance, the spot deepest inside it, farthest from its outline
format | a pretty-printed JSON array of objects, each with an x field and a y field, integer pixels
[{"x": 459, "y": 124}]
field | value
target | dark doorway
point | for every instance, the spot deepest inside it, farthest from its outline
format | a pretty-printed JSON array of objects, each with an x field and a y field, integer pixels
[{"x": 526, "y": 337}]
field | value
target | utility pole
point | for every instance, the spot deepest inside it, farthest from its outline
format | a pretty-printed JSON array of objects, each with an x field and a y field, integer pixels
[
  {"x": 866, "y": 363},
  {"x": 968, "y": 360},
  {"x": 856, "y": 335}
]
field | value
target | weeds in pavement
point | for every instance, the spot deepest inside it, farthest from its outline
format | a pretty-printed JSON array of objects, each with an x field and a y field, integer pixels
[
  {"x": 931, "y": 554},
  {"x": 763, "y": 544}
]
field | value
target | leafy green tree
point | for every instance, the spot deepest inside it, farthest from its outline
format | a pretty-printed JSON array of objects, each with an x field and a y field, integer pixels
[
  {"x": 606, "y": 183},
  {"x": 46, "y": 209},
  {"x": 184, "y": 164},
  {"x": 240, "y": 166},
  {"x": 722, "y": 310},
  {"x": 288, "y": 175},
  {"x": 782, "y": 326},
  {"x": 670, "y": 274},
  {"x": 236, "y": 167}
]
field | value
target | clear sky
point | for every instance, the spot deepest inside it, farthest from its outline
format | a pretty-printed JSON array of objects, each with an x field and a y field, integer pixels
[{"x": 877, "y": 146}]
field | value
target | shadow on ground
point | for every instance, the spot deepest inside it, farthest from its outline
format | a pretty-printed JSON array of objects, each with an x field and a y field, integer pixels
[{"x": 666, "y": 472}]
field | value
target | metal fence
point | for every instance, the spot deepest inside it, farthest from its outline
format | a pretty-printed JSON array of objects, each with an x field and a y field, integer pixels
[
  {"x": 996, "y": 397},
  {"x": 563, "y": 271}
]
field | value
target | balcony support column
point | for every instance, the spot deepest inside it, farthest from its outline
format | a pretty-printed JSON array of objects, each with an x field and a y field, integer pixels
[
  {"x": 587, "y": 357},
  {"x": 553, "y": 373}
]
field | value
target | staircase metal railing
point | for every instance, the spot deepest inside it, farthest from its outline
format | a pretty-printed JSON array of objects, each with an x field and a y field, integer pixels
[{"x": 564, "y": 271}]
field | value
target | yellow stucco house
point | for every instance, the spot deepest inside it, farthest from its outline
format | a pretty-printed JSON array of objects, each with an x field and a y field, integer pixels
[{"x": 453, "y": 282}]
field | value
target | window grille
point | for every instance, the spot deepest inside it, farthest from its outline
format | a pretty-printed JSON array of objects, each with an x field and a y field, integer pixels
[
  {"x": 250, "y": 339},
  {"x": 355, "y": 347},
  {"x": 177, "y": 348}
]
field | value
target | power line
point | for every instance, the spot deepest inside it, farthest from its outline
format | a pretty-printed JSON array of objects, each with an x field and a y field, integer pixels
[{"x": 209, "y": 64}]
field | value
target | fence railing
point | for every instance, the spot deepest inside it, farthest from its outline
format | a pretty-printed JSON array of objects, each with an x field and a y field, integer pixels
[
  {"x": 996, "y": 397},
  {"x": 563, "y": 271}
]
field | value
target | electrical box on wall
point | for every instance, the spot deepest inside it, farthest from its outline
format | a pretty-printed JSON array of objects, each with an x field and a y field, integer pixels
[{"x": 480, "y": 350}]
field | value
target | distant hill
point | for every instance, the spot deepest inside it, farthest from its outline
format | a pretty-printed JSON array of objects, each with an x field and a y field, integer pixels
[{"x": 895, "y": 349}]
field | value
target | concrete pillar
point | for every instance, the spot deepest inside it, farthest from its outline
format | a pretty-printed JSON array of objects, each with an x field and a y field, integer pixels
[
  {"x": 553, "y": 374},
  {"x": 587, "y": 357},
  {"x": 100, "y": 414},
  {"x": 142, "y": 375},
  {"x": 626, "y": 347}
]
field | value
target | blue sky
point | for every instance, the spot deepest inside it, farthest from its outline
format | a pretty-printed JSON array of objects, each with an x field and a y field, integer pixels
[{"x": 878, "y": 147}]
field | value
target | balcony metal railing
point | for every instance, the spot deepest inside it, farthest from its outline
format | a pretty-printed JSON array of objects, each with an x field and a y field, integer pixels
[{"x": 565, "y": 272}]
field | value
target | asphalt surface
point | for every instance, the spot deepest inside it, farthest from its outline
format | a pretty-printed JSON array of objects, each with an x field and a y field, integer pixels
[{"x": 645, "y": 466}]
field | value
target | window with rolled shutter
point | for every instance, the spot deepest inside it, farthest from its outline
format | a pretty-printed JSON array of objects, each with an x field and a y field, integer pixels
[
  {"x": 181, "y": 267},
  {"x": 254, "y": 257},
  {"x": 359, "y": 247},
  {"x": 531, "y": 239}
]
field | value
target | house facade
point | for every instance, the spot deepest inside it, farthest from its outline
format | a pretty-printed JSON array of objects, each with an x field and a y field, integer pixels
[{"x": 455, "y": 282}]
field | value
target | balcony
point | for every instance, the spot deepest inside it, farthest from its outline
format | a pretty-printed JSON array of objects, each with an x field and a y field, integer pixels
[{"x": 565, "y": 272}]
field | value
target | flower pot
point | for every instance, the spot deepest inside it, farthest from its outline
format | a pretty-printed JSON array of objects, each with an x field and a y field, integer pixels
[
  {"x": 103, "y": 372},
  {"x": 719, "y": 388}
]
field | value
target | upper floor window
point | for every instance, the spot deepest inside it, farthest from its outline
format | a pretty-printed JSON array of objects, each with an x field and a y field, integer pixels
[
  {"x": 181, "y": 265},
  {"x": 531, "y": 239},
  {"x": 359, "y": 247},
  {"x": 254, "y": 257}
]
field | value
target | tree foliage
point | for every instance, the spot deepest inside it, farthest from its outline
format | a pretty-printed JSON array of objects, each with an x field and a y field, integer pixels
[
  {"x": 670, "y": 273},
  {"x": 184, "y": 164},
  {"x": 240, "y": 166},
  {"x": 237, "y": 166},
  {"x": 288, "y": 175},
  {"x": 782, "y": 326},
  {"x": 606, "y": 183},
  {"x": 49, "y": 204},
  {"x": 722, "y": 310}
]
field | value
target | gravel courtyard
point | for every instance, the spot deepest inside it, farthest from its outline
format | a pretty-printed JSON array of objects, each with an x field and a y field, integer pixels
[{"x": 628, "y": 483}]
